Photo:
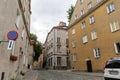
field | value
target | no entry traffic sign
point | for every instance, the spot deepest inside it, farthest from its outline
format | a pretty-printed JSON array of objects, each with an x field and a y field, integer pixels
[{"x": 12, "y": 35}]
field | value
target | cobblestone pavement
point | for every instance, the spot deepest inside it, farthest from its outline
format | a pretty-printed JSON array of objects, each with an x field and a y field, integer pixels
[
  {"x": 64, "y": 75},
  {"x": 31, "y": 75}
]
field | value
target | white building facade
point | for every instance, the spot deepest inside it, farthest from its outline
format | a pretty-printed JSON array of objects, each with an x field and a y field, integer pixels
[{"x": 55, "y": 47}]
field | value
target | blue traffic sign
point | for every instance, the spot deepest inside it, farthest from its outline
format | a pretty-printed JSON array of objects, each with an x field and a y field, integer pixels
[{"x": 12, "y": 35}]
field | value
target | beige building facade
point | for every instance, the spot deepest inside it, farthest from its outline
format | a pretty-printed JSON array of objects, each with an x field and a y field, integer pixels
[
  {"x": 55, "y": 47},
  {"x": 94, "y": 33},
  {"x": 14, "y": 16}
]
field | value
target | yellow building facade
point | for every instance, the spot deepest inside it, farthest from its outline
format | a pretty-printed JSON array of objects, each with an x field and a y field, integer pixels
[{"x": 94, "y": 33}]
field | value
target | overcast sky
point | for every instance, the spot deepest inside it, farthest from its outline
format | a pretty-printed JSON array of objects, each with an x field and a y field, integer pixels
[{"x": 46, "y": 14}]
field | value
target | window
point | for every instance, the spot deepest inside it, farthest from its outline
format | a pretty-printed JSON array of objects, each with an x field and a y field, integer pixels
[
  {"x": 73, "y": 31},
  {"x": 89, "y": 5},
  {"x": 110, "y": 8},
  {"x": 67, "y": 42},
  {"x": 58, "y": 32},
  {"x": 58, "y": 39},
  {"x": 93, "y": 35},
  {"x": 23, "y": 32},
  {"x": 58, "y": 49},
  {"x": 66, "y": 33},
  {"x": 76, "y": 16},
  {"x": 98, "y": 1},
  {"x": 96, "y": 52},
  {"x": 73, "y": 43},
  {"x": 117, "y": 47},
  {"x": 92, "y": 20},
  {"x": 82, "y": 12},
  {"x": 74, "y": 57},
  {"x": 83, "y": 24},
  {"x": 85, "y": 40},
  {"x": 59, "y": 61},
  {"x": 81, "y": 1},
  {"x": 17, "y": 19},
  {"x": 114, "y": 26}
]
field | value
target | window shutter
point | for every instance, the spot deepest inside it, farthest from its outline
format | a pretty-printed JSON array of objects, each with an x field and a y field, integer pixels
[
  {"x": 90, "y": 20},
  {"x": 107, "y": 9},
  {"x": 111, "y": 27},
  {"x": 94, "y": 51},
  {"x": 115, "y": 48}
]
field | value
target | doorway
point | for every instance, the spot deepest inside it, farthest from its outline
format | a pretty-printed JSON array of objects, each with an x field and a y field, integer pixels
[{"x": 89, "y": 65}]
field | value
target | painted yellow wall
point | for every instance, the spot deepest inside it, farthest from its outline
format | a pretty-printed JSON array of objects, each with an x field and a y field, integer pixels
[{"x": 105, "y": 38}]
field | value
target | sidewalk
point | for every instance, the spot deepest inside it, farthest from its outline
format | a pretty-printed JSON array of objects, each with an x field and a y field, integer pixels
[{"x": 31, "y": 75}]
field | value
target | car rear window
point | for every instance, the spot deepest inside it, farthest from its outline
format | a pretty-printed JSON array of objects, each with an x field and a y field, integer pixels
[{"x": 113, "y": 64}]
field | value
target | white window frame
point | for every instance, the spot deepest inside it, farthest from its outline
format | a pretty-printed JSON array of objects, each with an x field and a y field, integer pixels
[
  {"x": 85, "y": 39},
  {"x": 92, "y": 19},
  {"x": 23, "y": 33},
  {"x": 89, "y": 5},
  {"x": 81, "y": 1},
  {"x": 17, "y": 21},
  {"x": 58, "y": 49},
  {"x": 96, "y": 52},
  {"x": 83, "y": 24},
  {"x": 58, "y": 40},
  {"x": 76, "y": 17},
  {"x": 73, "y": 43},
  {"x": 73, "y": 31},
  {"x": 110, "y": 8},
  {"x": 116, "y": 48},
  {"x": 58, "y": 32},
  {"x": 114, "y": 26},
  {"x": 74, "y": 57},
  {"x": 98, "y": 1},
  {"x": 82, "y": 12},
  {"x": 94, "y": 35}
]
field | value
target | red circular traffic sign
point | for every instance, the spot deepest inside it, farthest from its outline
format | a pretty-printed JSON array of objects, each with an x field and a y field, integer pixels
[{"x": 12, "y": 35}]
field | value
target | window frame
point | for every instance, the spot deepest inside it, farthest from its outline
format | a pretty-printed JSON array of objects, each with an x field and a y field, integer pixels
[
  {"x": 83, "y": 24},
  {"x": 73, "y": 43},
  {"x": 98, "y": 1},
  {"x": 89, "y": 5},
  {"x": 74, "y": 57},
  {"x": 85, "y": 39},
  {"x": 94, "y": 35},
  {"x": 96, "y": 52},
  {"x": 73, "y": 31},
  {"x": 81, "y": 1},
  {"x": 116, "y": 48},
  {"x": 92, "y": 19},
  {"x": 110, "y": 8},
  {"x": 17, "y": 21},
  {"x": 114, "y": 26},
  {"x": 58, "y": 49},
  {"x": 76, "y": 16},
  {"x": 59, "y": 61},
  {"x": 82, "y": 12}
]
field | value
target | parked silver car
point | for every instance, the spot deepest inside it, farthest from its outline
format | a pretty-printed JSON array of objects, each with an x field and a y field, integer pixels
[{"x": 112, "y": 69}]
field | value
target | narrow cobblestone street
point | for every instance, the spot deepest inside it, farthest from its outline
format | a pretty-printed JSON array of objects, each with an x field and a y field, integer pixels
[{"x": 65, "y": 75}]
